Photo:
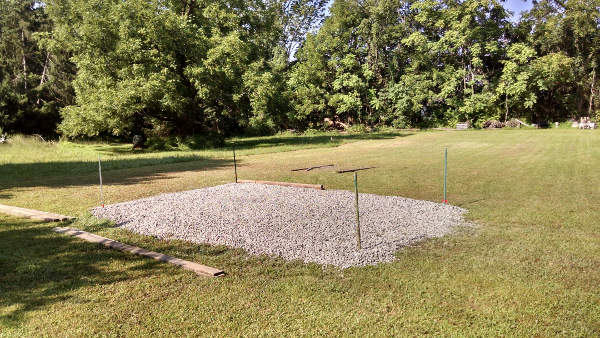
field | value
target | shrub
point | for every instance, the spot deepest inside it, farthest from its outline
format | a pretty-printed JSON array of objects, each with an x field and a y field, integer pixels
[
  {"x": 205, "y": 141},
  {"x": 260, "y": 127},
  {"x": 400, "y": 123},
  {"x": 287, "y": 133},
  {"x": 357, "y": 129},
  {"x": 312, "y": 132},
  {"x": 156, "y": 143},
  {"x": 208, "y": 140}
]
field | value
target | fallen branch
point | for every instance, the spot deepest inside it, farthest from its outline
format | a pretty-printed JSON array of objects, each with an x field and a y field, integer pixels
[{"x": 299, "y": 169}]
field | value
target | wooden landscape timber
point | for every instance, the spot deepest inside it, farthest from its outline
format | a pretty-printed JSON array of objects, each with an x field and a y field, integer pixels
[
  {"x": 49, "y": 217},
  {"x": 353, "y": 170},
  {"x": 316, "y": 167},
  {"x": 286, "y": 184},
  {"x": 34, "y": 214},
  {"x": 187, "y": 265}
]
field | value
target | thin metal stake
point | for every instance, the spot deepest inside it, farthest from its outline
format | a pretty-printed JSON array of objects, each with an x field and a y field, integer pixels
[
  {"x": 357, "y": 213},
  {"x": 234, "y": 163},
  {"x": 100, "y": 174},
  {"x": 445, "y": 175}
]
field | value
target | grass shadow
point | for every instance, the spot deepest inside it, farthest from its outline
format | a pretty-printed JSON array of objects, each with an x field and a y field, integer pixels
[
  {"x": 312, "y": 140},
  {"x": 317, "y": 140},
  {"x": 77, "y": 173},
  {"x": 57, "y": 173},
  {"x": 40, "y": 268}
]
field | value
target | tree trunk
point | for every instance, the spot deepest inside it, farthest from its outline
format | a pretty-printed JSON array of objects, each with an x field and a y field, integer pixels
[
  {"x": 24, "y": 60},
  {"x": 45, "y": 69},
  {"x": 464, "y": 79},
  {"x": 187, "y": 8},
  {"x": 592, "y": 92},
  {"x": 506, "y": 108},
  {"x": 43, "y": 74},
  {"x": 472, "y": 81}
]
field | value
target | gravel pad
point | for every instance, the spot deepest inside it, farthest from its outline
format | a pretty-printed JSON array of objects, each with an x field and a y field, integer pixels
[{"x": 310, "y": 225}]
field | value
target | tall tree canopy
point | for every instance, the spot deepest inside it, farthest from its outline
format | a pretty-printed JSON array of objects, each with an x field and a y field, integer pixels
[
  {"x": 165, "y": 67},
  {"x": 176, "y": 67}
]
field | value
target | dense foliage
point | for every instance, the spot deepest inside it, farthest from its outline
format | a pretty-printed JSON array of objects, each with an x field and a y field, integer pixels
[
  {"x": 166, "y": 67},
  {"x": 34, "y": 83}
]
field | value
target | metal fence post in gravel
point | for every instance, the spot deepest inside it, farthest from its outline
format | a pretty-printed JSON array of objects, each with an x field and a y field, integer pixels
[
  {"x": 100, "y": 174},
  {"x": 445, "y": 201},
  {"x": 234, "y": 163},
  {"x": 357, "y": 213}
]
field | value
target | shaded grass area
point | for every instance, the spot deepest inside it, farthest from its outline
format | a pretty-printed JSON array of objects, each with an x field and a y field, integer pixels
[
  {"x": 27, "y": 158},
  {"x": 53, "y": 174},
  {"x": 531, "y": 267},
  {"x": 293, "y": 142}
]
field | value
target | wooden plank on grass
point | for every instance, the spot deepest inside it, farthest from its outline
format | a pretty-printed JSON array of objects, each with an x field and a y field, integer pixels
[
  {"x": 353, "y": 170},
  {"x": 311, "y": 168},
  {"x": 299, "y": 169},
  {"x": 191, "y": 266},
  {"x": 318, "y": 167},
  {"x": 33, "y": 214},
  {"x": 286, "y": 184}
]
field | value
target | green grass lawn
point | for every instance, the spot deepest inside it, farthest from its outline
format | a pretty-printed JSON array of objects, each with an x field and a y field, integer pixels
[{"x": 530, "y": 268}]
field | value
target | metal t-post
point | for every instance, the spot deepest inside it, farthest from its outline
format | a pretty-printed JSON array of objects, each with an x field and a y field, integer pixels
[
  {"x": 100, "y": 175},
  {"x": 445, "y": 176},
  {"x": 357, "y": 213},
  {"x": 234, "y": 163}
]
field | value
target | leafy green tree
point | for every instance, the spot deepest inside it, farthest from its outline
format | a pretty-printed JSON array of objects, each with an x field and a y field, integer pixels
[
  {"x": 326, "y": 79},
  {"x": 170, "y": 67},
  {"x": 29, "y": 88},
  {"x": 297, "y": 18},
  {"x": 131, "y": 60},
  {"x": 175, "y": 67},
  {"x": 458, "y": 47},
  {"x": 517, "y": 83},
  {"x": 308, "y": 81},
  {"x": 558, "y": 30}
]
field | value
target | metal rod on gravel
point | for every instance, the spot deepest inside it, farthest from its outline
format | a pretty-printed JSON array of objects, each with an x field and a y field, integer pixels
[
  {"x": 445, "y": 201},
  {"x": 357, "y": 213},
  {"x": 234, "y": 163},
  {"x": 100, "y": 174}
]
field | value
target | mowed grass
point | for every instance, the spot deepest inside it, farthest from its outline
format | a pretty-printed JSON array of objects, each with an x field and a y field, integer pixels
[
  {"x": 26, "y": 158},
  {"x": 531, "y": 266}
]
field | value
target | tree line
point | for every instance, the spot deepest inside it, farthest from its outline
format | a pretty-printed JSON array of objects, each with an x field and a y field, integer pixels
[{"x": 186, "y": 67}]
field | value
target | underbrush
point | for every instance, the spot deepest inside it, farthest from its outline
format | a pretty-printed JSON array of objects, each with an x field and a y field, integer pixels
[{"x": 174, "y": 143}]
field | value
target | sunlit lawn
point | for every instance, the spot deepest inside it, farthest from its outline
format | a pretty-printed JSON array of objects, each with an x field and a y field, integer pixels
[{"x": 530, "y": 267}]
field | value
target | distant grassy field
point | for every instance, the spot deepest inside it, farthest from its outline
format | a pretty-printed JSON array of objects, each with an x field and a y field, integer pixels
[{"x": 530, "y": 268}]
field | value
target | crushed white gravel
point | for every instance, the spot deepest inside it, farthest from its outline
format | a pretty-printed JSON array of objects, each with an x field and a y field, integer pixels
[{"x": 293, "y": 223}]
